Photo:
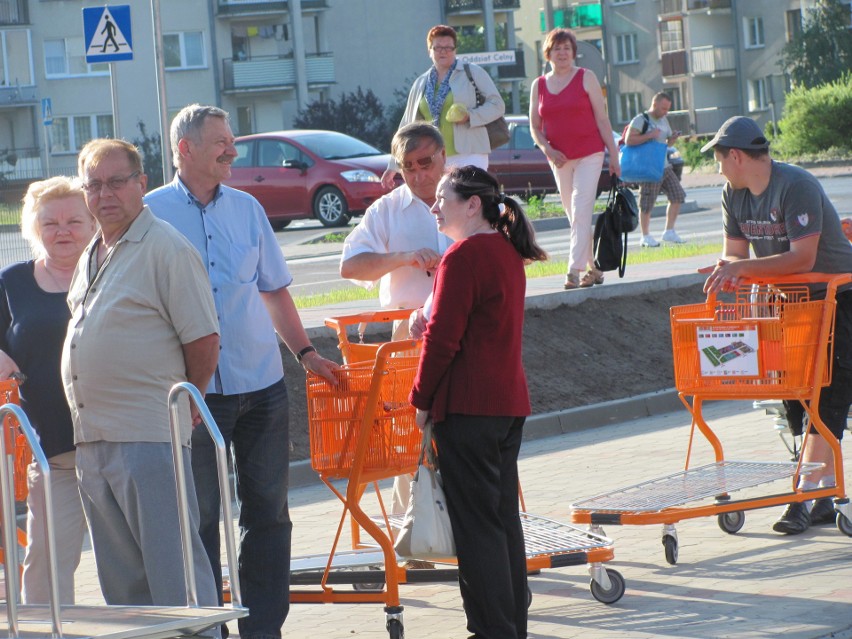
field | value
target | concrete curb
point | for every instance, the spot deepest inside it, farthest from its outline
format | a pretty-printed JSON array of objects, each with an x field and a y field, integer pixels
[
  {"x": 557, "y": 423},
  {"x": 561, "y": 222}
]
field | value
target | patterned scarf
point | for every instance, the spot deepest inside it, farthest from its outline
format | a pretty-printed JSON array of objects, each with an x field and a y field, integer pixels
[{"x": 436, "y": 100}]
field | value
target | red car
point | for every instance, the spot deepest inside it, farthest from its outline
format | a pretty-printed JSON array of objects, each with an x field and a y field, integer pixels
[{"x": 304, "y": 174}]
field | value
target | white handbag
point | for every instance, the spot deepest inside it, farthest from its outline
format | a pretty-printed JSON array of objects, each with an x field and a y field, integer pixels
[{"x": 426, "y": 532}]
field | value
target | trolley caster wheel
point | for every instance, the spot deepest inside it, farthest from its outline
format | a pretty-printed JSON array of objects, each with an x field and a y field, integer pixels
[
  {"x": 395, "y": 630},
  {"x": 378, "y": 586},
  {"x": 613, "y": 593},
  {"x": 732, "y": 522},
  {"x": 670, "y": 547},
  {"x": 844, "y": 525}
]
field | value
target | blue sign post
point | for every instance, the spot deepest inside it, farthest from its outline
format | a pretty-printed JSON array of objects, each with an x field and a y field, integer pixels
[
  {"x": 107, "y": 33},
  {"x": 46, "y": 111}
]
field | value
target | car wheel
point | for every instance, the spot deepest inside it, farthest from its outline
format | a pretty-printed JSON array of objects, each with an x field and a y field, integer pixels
[
  {"x": 330, "y": 207},
  {"x": 277, "y": 225}
]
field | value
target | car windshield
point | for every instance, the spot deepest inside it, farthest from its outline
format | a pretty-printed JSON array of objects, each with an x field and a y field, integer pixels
[{"x": 336, "y": 146}]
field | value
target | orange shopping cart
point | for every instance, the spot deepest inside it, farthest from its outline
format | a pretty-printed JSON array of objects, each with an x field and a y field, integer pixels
[
  {"x": 363, "y": 431},
  {"x": 773, "y": 340},
  {"x": 17, "y": 451}
]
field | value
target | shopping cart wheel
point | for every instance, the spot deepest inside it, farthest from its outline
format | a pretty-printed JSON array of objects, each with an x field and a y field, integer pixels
[
  {"x": 732, "y": 522},
  {"x": 844, "y": 525},
  {"x": 670, "y": 546},
  {"x": 613, "y": 593},
  {"x": 395, "y": 630}
]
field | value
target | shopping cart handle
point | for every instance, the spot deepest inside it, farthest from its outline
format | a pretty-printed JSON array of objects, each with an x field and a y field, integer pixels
[{"x": 837, "y": 279}]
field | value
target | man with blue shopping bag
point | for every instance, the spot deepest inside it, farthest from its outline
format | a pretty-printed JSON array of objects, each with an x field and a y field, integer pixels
[{"x": 650, "y": 132}]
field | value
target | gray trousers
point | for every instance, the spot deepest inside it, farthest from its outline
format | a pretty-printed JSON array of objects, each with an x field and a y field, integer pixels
[
  {"x": 130, "y": 501},
  {"x": 69, "y": 525}
]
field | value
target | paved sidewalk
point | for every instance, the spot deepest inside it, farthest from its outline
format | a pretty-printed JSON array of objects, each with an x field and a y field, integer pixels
[{"x": 755, "y": 584}]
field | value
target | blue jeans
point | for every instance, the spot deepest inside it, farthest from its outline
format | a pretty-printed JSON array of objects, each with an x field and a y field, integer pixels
[{"x": 256, "y": 424}]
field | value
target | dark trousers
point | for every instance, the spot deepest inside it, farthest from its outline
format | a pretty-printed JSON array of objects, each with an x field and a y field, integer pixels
[
  {"x": 478, "y": 457},
  {"x": 256, "y": 424},
  {"x": 835, "y": 399}
]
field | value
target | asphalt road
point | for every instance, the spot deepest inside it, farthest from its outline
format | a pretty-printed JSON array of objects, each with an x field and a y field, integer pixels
[{"x": 318, "y": 273}]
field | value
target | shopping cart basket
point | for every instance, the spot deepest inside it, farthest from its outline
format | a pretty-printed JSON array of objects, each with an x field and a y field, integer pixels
[
  {"x": 363, "y": 431},
  {"x": 17, "y": 451},
  {"x": 773, "y": 340}
]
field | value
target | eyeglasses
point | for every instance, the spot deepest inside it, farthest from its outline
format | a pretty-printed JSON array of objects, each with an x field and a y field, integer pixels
[
  {"x": 423, "y": 163},
  {"x": 443, "y": 49},
  {"x": 114, "y": 184}
]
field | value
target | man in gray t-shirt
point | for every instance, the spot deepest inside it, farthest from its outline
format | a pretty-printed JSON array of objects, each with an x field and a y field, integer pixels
[
  {"x": 645, "y": 127},
  {"x": 782, "y": 214}
]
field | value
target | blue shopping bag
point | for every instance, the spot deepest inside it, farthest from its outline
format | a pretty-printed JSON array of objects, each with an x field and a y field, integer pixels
[{"x": 643, "y": 162}]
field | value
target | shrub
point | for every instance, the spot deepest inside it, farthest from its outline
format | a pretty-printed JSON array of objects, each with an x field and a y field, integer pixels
[
  {"x": 358, "y": 114},
  {"x": 817, "y": 119}
]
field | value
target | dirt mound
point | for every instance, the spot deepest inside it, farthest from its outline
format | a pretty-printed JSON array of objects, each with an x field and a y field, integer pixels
[{"x": 593, "y": 352}]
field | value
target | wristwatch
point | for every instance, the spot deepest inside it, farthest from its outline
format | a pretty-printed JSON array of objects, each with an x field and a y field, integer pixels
[{"x": 305, "y": 351}]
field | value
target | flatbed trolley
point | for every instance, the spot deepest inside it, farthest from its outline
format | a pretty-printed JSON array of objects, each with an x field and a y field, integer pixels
[
  {"x": 363, "y": 431},
  {"x": 772, "y": 341},
  {"x": 108, "y": 622}
]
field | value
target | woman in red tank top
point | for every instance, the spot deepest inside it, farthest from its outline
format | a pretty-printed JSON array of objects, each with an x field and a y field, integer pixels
[{"x": 568, "y": 121}]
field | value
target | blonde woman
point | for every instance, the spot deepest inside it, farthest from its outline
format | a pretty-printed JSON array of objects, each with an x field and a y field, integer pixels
[{"x": 33, "y": 319}]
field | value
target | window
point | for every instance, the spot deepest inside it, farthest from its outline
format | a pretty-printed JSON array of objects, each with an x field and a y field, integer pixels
[
  {"x": 758, "y": 99},
  {"x": 674, "y": 93},
  {"x": 753, "y": 32},
  {"x": 625, "y": 48},
  {"x": 69, "y": 134},
  {"x": 184, "y": 50},
  {"x": 671, "y": 35},
  {"x": 16, "y": 58},
  {"x": 794, "y": 23},
  {"x": 629, "y": 106},
  {"x": 59, "y": 61}
]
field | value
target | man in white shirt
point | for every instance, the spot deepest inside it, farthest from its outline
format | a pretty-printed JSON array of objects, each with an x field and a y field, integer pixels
[{"x": 397, "y": 242}]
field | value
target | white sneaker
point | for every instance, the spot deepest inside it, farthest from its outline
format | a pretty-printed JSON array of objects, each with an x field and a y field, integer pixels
[
  {"x": 648, "y": 240},
  {"x": 672, "y": 236}
]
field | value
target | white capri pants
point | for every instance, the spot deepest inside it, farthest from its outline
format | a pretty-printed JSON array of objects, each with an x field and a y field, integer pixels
[{"x": 577, "y": 181}]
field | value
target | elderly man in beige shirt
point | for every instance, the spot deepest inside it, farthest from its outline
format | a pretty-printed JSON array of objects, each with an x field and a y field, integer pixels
[{"x": 142, "y": 319}]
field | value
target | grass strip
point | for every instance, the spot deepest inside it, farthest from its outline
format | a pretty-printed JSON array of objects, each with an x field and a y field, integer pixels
[{"x": 355, "y": 293}]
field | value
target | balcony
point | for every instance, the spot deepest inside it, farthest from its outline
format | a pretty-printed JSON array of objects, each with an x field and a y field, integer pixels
[
  {"x": 228, "y": 8},
  {"x": 475, "y": 6},
  {"x": 708, "y": 5},
  {"x": 713, "y": 61},
  {"x": 17, "y": 96},
  {"x": 273, "y": 73},
  {"x": 708, "y": 120},
  {"x": 579, "y": 17},
  {"x": 14, "y": 12},
  {"x": 674, "y": 63}
]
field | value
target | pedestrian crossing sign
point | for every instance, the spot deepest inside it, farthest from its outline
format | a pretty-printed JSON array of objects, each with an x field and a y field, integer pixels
[{"x": 107, "y": 33}]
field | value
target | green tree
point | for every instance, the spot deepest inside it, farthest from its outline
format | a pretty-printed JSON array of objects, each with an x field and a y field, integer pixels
[
  {"x": 817, "y": 119},
  {"x": 152, "y": 155},
  {"x": 822, "y": 51},
  {"x": 359, "y": 114}
]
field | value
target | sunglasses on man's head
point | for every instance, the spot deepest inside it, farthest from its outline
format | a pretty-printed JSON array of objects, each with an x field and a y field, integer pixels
[{"x": 423, "y": 163}]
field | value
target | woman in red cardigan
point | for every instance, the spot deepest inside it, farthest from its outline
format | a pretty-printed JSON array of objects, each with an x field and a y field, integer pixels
[{"x": 471, "y": 383}]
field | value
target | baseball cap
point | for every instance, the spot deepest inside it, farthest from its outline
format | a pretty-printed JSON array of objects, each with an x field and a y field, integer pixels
[{"x": 738, "y": 132}]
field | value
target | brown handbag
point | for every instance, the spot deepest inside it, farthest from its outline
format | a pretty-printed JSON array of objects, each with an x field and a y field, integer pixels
[{"x": 498, "y": 130}]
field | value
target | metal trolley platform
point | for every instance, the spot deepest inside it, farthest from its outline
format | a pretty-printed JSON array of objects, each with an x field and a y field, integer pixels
[
  {"x": 363, "y": 431},
  {"x": 108, "y": 622},
  {"x": 771, "y": 342}
]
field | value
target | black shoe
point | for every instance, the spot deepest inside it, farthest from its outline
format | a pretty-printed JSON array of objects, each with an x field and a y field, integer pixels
[
  {"x": 795, "y": 520},
  {"x": 823, "y": 512}
]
